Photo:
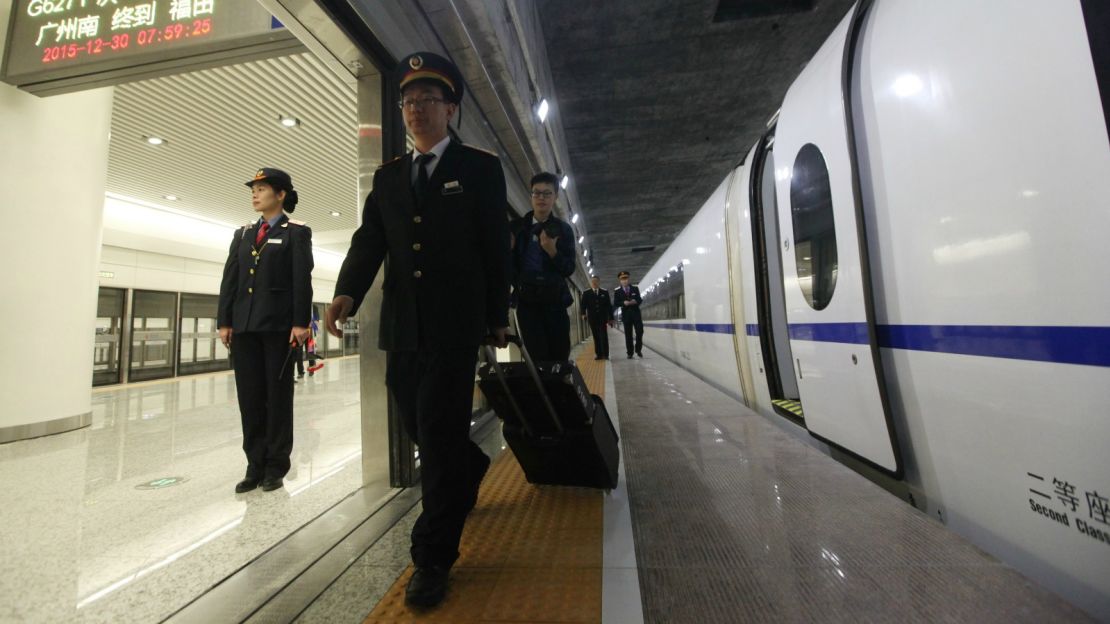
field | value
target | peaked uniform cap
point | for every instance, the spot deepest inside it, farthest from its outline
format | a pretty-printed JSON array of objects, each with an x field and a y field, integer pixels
[
  {"x": 433, "y": 67},
  {"x": 623, "y": 274},
  {"x": 278, "y": 178}
]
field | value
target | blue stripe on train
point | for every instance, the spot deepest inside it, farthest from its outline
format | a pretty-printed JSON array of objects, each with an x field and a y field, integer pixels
[
  {"x": 712, "y": 328},
  {"x": 1065, "y": 345},
  {"x": 1040, "y": 343}
]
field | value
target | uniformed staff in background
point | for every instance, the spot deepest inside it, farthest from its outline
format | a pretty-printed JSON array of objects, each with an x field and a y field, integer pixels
[
  {"x": 597, "y": 309},
  {"x": 439, "y": 215},
  {"x": 265, "y": 309},
  {"x": 627, "y": 299},
  {"x": 543, "y": 257}
]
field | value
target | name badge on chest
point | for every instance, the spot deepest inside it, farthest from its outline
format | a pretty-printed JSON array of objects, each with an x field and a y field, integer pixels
[{"x": 452, "y": 188}]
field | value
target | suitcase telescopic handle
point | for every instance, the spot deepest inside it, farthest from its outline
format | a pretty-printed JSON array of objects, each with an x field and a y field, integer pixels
[{"x": 534, "y": 373}]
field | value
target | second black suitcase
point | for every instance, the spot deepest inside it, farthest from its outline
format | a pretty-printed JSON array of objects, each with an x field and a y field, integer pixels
[{"x": 559, "y": 432}]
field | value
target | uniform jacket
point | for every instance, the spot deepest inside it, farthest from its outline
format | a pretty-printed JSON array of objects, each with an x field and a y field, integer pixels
[
  {"x": 556, "y": 269},
  {"x": 268, "y": 287},
  {"x": 632, "y": 312},
  {"x": 599, "y": 307},
  {"x": 446, "y": 260}
]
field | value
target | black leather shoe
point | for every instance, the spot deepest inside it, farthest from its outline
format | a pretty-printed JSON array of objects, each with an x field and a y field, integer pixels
[
  {"x": 639, "y": 355},
  {"x": 630, "y": 356},
  {"x": 269, "y": 484},
  {"x": 427, "y": 587},
  {"x": 246, "y": 485},
  {"x": 597, "y": 357}
]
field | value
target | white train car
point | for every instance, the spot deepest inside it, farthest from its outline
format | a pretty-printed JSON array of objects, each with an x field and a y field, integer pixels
[{"x": 909, "y": 266}]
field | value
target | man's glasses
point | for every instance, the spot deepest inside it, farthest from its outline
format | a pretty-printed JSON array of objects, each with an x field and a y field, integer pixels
[
  {"x": 419, "y": 103},
  {"x": 543, "y": 194}
]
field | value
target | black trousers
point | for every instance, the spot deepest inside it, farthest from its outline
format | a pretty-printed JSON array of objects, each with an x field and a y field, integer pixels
[
  {"x": 265, "y": 401},
  {"x": 434, "y": 394},
  {"x": 630, "y": 325},
  {"x": 298, "y": 356},
  {"x": 545, "y": 330},
  {"x": 601, "y": 338}
]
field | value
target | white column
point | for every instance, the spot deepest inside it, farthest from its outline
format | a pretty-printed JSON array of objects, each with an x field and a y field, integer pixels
[{"x": 53, "y": 166}]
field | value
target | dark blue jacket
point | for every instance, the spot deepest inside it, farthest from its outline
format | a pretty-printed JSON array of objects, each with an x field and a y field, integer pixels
[
  {"x": 268, "y": 286},
  {"x": 556, "y": 269}
]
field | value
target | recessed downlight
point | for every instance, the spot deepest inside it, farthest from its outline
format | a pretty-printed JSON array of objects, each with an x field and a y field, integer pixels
[
  {"x": 170, "y": 197},
  {"x": 289, "y": 121},
  {"x": 335, "y": 213},
  {"x": 153, "y": 140}
]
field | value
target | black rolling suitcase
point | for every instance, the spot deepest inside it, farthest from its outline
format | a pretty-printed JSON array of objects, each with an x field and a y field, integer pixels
[{"x": 559, "y": 432}]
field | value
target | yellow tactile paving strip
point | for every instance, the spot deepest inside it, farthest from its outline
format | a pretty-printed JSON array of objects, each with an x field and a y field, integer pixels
[{"x": 528, "y": 554}]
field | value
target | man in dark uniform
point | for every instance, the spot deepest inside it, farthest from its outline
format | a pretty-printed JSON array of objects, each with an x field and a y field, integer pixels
[
  {"x": 439, "y": 215},
  {"x": 627, "y": 299},
  {"x": 597, "y": 309},
  {"x": 543, "y": 257},
  {"x": 264, "y": 310}
]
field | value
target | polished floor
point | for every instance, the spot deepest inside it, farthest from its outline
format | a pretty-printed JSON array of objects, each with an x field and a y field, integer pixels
[{"x": 134, "y": 517}]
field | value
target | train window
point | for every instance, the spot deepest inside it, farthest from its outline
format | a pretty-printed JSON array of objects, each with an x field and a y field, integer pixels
[
  {"x": 666, "y": 298},
  {"x": 811, "y": 210}
]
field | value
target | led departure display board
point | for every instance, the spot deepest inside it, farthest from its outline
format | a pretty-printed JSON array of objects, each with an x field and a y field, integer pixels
[{"x": 49, "y": 40}]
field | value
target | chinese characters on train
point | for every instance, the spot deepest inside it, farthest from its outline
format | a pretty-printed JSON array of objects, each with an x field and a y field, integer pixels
[
  {"x": 74, "y": 28},
  {"x": 1065, "y": 503}
]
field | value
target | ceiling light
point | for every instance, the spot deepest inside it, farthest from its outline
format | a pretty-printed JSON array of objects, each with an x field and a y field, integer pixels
[
  {"x": 574, "y": 219},
  {"x": 335, "y": 213},
  {"x": 541, "y": 112},
  {"x": 589, "y": 263},
  {"x": 585, "y": 252},
  {"x": 289, "y": 122},
  {"x": 170, "y": 197},
  {"x": 565, "y": 182},
  {"x": 581, "y": 239},
  {"x": 153, "y": 140}
]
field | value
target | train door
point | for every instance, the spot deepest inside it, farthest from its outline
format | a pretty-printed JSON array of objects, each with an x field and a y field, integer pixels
[
  {"x": 774, "y": 338},
  {"x": 824, "y": 260},
  {"x": 109, "y": 336}
]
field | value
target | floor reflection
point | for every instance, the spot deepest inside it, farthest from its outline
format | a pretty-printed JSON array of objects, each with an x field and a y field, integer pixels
[{"x": 133, "y": 517}]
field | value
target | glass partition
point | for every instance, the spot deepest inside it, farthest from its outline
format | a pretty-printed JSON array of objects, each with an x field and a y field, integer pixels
[
  {"x": 109, "y": 333},
  {"x": 153, "y": 326},
  {"x": 200, "y": 348}
]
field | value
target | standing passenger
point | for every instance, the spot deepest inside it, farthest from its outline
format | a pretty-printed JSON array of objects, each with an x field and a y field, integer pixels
[
  {"x": 439, "y": 214},
  {"x": 627, "y": 298},
  {"x": 266, "y": 304},
  {"x": 543, "y": 257},
  {"x": 598, "y": 310}
]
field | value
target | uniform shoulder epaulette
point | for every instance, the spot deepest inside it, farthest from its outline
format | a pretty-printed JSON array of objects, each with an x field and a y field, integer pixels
[
  {"x": 296, "y": 222},
  {"x": 479, "y": 149},
  {"x": 390, "y": 162}
]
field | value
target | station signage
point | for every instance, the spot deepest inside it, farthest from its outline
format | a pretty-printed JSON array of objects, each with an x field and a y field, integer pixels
[{"x": 58, "y": 40}]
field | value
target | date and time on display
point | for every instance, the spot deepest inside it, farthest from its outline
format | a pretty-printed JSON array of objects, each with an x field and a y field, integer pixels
[{"x": 144, "y": 37}]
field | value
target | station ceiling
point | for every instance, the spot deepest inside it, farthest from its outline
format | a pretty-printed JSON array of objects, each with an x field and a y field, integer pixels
[
  {"x": 658, "y": 102},
  {"x": 221, "y": 124}
]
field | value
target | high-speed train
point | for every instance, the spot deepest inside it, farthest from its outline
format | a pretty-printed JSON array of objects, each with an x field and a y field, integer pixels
[{"x": 909, "y": 269}]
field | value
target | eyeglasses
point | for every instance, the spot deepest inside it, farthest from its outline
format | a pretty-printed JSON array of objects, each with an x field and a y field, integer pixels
[
  {"x": 419, "y": 103},
  {"x": 543, "y": 194}
]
